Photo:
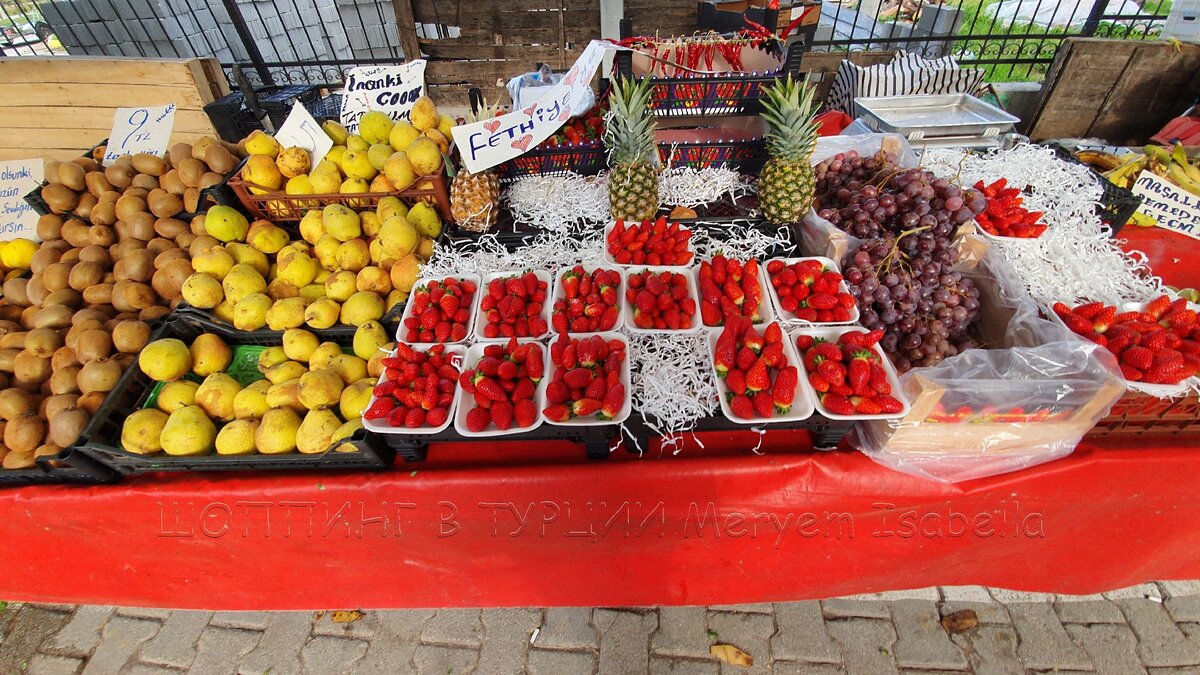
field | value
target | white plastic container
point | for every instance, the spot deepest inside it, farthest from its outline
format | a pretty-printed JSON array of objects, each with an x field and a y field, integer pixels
[
  {"x": 802, "y": 402},
  {"x": 626, "y": 379},
  {"x": 480, "y": 322},
  {"x": 455, "y": 354},
  {"x": 692, "y": 292},
  {"x": 766, "y": 308},
  {"x": 832, "y": 333},
  {"x": 465, "y": 402},
  {"x": 608, "y": 258},
  {"x": 790, "y": 316},
  {"x": 588, "y": 269},
  {"x": 1183, "y": 21},
  {"x": 401, "y": 331}
]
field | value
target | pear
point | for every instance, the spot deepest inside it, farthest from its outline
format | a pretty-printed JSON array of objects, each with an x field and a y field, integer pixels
[
  {"x": 381, "y": 184},
  {"x": 251, "y": 402},
  {"x": 299, "y": 185},
  {"x": 242, "y": 280},
  {"x": 355, "y": 398},
  {"x": 262, "y": 174},
  {"x": 215, "y": 396},
  {"x": 188, "y": 431},
  {"x": 370, "y": 222},
  {"x": 323, "y": 354},
  {"x": 390, "y": 206},
  {"x": 326, "y": 179},
  {"x": 312, "y": 293},
  {"x": 375, "y": 127},
  {"x": 425, "y": 156},
  {"x": 215, "y": 262},
  {"x": 141, "y": 432},
  {"x": 293, "y": 162},
  {"x": 425, "y": 218},
  {"x": 356, "y": 164},
  {"x": 210, "y": 354},
  {"x": 341, "y": 222},
  {"x": 378, "y": 155},
  {"x": 424, "y": 114},
  {"x": 405, "y": 272},
  {"x": 425, "y": 249},
  {"x": 285, "y": 395},
  {"x": 403, "y": 133},
  {"x": 349, "y": 367},
  {"x": 362, "y": 307},
  {"x": 320, "y": 389},
  {"x": 297, "y": 269},
  {"x": 260, "y": 142},
  {"x": 368, "y": 338},
  {"x": 271, "y": 357},
  {"x": 375, "y": 366},
  {"x": 165, "y": 360},
  {"x": 175, "y": 395},
  {"x": 346, "y": 431},
  {"x": 445, "y": 124},
  {"x": 237, "y": 437},
  {"x": 312, "y": 226},
  {"x": 266, "y": 237},
  {"x": 244, "y": 254},
  {"x": 398, "y": 237},
  {"x": 286, "y": 313},
  {"x": 224, "y": 311},
  {"x": 336, "y": 132},
  {"x": 322, "y": 313},
  {"x": 399, "y": 171},
  {"x": 354, "y": 186},
  {"x": 316, "y": 432},
  {"x": 326, "y": 251},
  {"x": 202, "y": 291},
  {"x": 280, "y": 289},
  {"x": 353, "y": 255},
  {"x": 356, "y": 142},
  {"x": 250, "y": 313},
  {"x": 374, "y": 280},
  {"x": 299, "y": 344},
  {"x": 276, "y": 433}
]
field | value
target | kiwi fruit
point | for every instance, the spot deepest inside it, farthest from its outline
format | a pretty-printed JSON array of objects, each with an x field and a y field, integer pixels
[
  {"x": 31, "y": 369},
  {"x": 77, "y": 329},
  {"x": 66, "y": 427},
  {"x": 52, "y": 405},
  {"x": 141, "y": 226},
  {"x": 184, "y": 240},
  {"x": 50, "y": 170},
  {"x": 171, "y": 182},
  {"x": 87, "y": 163},
  {"x": 91, "y": 402},
  {"x": 93, "y": 344},
  {"x": 202, "y": 243},
  {"x": 101, "y": 235},
  {"x": 99, "y": 375},
  {"x": 191, "y": 200},
  {"x": 149, "y": 164},
  {"x": 96, "y": 314},
  {"x": 63, "y": 358},
  {"x": 8, "y": 362},
  {"x": 219, "y": 159},
  {"x": 35, "y": 290},
  {"x": 136, "y": 191},
  {"x": 87, "y": 202},
  {"x": 210, "y": 179},
  {"x": 24, "y": 433},
  {"x": 63, "y": 381},
  {"x": 72, "y": 175},
  {"x": 135, "y": 295},
  {"x": 45, "y": 257},
  {"x": 130, "y": 336},
  {"x": 100, "y": 294},
  {"x": 95, "y": 254},
  {"x": 49, "y": 227},
  {"x": 168, "y": 280},
  {"x": 96, "y": 183},
  {"x": 191, "y": 170},
  {"x": 43, "y": 342},
  {"x": 158, "y": 245},
  {"x": 104, "y": 213},
  {"x": 170, "y": 227},
  {"x": 57, "y": 276},
  {"x": 60, "y": 198},
  {"x": 198, "y": 225},
  {"x": 70, "y": 256},
  {"x": 68, "y": 297},
  {"x": 158, "y": 311},
  {"x": 14, "y": 292},
  {"x": 27, "y": 316},
  {"x": 201, "y": 146},
  {"x": 85, "y": 274},
  {"x": 119, "y": 175},
  {"x": 14, "y": 339},
  {"x": 135, "y": 265},
  {"x": 54, "y": 316},
  {"x": 75, "y": 232},
  {"x": 179, "y": 153},
  {"x": 173, "y": 253}
]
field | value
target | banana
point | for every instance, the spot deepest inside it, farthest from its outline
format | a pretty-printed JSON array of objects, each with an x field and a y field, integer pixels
[
  {"x": 1124, "y": 174},
  {"x": 1102, "y": 161},
  {"x": 1157, "y": 153},
  {"x": 1192, "y": 171},
  {"x": 1178, "y": 155},
  {"x": 1176, "y": 175},
  {"x": 1142, "y": 220}
]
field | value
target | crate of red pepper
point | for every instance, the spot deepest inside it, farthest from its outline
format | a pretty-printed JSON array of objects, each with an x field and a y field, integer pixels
[
  {"x": 1005, "y": 217},
  {"x": 577, "y": 147}
]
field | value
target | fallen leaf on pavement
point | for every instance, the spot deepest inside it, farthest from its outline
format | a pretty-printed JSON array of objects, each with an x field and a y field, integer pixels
[
  {"x": 347, "y": 616},
  {"x": 962, "y": 620},
  {"x": 732, "y": 655}
]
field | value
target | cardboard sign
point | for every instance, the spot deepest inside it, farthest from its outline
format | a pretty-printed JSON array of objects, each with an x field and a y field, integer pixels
[
  {"x": 300, "y": 130},
  {"x": 18, "y": 178},
  {"x": 137, "y": 130},
  {"x": 1173, "y": 207},
  {"x": 389, "y": 89},
  {"x": 490, "y": 142}
]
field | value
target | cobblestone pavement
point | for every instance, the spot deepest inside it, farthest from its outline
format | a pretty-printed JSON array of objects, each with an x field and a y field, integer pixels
[{"x": 1152, "y": 628}]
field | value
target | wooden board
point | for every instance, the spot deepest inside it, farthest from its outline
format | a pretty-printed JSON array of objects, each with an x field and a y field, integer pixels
[
  {"x": 1123, "y": 91},
  {"x": 59, "y": 107}
]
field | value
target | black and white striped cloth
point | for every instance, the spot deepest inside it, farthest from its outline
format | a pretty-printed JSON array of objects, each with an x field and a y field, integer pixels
[{"x": 904, "y": 75}]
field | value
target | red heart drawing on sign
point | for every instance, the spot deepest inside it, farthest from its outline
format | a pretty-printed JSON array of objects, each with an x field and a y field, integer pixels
[
  {"x": 570, "y": 78},
  {"x": 523, "y": 142},
  {"x": 529, "y": 110},
  {"x": 492, "y": 125},
  {"x": 562, "y": 116}
]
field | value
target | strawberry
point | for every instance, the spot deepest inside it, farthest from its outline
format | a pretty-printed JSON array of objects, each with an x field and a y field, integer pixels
[
  {"x": 773, "y": 355},
  {"x": 502, "y": 415},
  {"x": 1089, "y": 310},
  {"x": 437, "y": 417},
  {"x": 745, "y": 358},
  {"x": 1155, "y": 341},
  {"x": 1138, "y": 357},
  {"x": 557, "y": 412},
  {"x": 865, "y": 405},
  {"x": 478, "y": 419},
  {"x": 613, "y": 401},
  {"x": 832, "y": 371},
  {"x": 753, "y": 340},
  {"x": 379, "y": 409},
  {"x": 710, "y": 314},
  {"x": 596, "y": 389},
  {"x": 763, "y": 404},
  {"x": 837, "y": 405},
  {"x": 741, "y": 407},
  {"x": 1104, "y": 319},
  {"x": 860, "y": 372},
  {"x": 820, "y": 384},
  {"x": 783, "y": 392},
  {"x": 736, "y": 381},
  {"x": 525, "y": 413},
  {"x": 490, "y": 389},
  {"x": 1130, "y": 373},
  {"x": 586, "y": 407},
  {"x": 577, "y": 378},
  {"x": 757, "y": 378},
  {"x": 415, "y": 418},
  {"x": 773, "y": 334},
  {"x": 557, "y": 392},
  {"x": 1077, "y": 324},
  {"x": 1158, "y": 306},
  {"x": 888, "y": 404}
]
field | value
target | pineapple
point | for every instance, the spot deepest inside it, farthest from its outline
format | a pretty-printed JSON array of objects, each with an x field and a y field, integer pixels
[
  {"x": 475, "y": 197},
  {"x": 632, "y": 152},
  {"x": 787, "y": 183}
]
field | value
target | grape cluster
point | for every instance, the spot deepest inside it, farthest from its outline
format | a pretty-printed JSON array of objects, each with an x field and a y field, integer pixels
[{"x": 902, "y": 276}]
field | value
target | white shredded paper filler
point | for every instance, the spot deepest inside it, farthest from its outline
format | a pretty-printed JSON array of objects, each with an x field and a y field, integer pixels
[
  {"x": 684, "y": 186},
  {"x": 557, "y": 202},
  {"x": 673, "y": 383}
]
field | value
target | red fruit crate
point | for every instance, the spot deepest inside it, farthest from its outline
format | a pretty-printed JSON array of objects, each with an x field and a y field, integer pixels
[
  {"x": 1138, "y": 414},
  {"x": 278, "y": 207}
]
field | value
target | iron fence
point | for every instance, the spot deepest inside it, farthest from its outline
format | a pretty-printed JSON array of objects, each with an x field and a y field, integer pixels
[{"x": 316, "y": 41}]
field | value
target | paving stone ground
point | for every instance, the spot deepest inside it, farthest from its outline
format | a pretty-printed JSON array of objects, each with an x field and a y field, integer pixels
[{"x": 1150, "y": 628}]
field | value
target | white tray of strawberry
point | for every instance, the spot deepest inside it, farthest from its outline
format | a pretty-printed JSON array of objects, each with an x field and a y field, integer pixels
[
  {"x": 1157, "y": 344},
  {"x": 503, "y": 391},
  {"x": 588, "y": 300},
  {"x": 757, "y": 374},
  {"x": 810, "y": 290},
  {"x": 415, "y": 394},
  {"x": 661, "y": 300},
  {"x": 656, "y": 243},
  {"x": 848, "y": 373},
  {"x": 439, "y": 310},
  {"x": 729, "y": 286},
  {"x": 513, "y": 305},
  {"x": 589, "y": 380}
]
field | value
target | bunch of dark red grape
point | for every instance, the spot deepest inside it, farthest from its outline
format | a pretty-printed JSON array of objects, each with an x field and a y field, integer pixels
[{"x": 903, "y": 276}]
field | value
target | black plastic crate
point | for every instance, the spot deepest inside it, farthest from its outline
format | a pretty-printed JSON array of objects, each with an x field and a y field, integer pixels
[
  {"x": 326, "y": 108},
  {"x": 234, "y": 121},
  {"x": 51, "y": 470},
  {"x": 211, "y": 324},
  {"x": 1117, "y": 203},
  {"x": 101, "y": 439},
  {"x": 596, "y": 440}
]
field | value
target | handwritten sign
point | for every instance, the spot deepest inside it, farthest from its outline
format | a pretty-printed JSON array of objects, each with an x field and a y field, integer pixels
[
  {"x": 138, "y": 130},
  {"x": 490, "y": 142},
  {"x": 302, "y": 131},
  {"x": 1173, "y": 207},
  {"x": 18, "y": 178},
  {"x": 389, "y": 89}
]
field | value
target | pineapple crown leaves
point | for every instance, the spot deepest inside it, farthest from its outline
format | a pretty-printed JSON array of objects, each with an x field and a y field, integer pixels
[
  {"x": 487, "y": 110},
  {"x": 629, "y": 124},
  {"x": 790, "y": 115}
]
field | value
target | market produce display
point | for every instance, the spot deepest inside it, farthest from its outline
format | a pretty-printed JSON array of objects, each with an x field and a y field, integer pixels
[
  {"x": 588, "y": 379},
  {"x": 416, "y": 389},
  {"x": 632, "y": 152},
  {"x": 785, "y": 187},
  {"x": 1158, "y": 343},
  {"x": 440, "y": 310},
  {"x": 587, "y": 300},
  {"x": 811, "y": 290},
  {"x": 661, "y": 299},
  {"x": 1004, "y": 216},
  {"x": 502, "y": 384},
  {"x": 1123, "y": 170},
  {"x": 514, "y": 305}
]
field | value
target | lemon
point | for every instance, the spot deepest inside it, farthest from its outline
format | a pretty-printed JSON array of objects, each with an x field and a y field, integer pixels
[{"x": 17, "y": 253}]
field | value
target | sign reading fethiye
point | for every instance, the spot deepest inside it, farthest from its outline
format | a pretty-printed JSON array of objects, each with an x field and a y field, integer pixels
[{"x": 1174, "y": 208}]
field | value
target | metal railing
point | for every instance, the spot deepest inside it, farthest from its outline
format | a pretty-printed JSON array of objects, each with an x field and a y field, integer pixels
[{"x": 316, "y": 41}]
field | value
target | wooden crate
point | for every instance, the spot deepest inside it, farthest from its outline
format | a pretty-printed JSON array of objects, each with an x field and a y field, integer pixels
[{"x": 58, "y": 107}]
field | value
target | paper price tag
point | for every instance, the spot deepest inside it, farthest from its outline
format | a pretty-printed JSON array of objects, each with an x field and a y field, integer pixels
[
  {"x": 389, "y": 89},
  {"x": 138, "y": 130},
  {"x": 302, "y": 131},
  {"x": 18, "y": 178},
  {"x": 1173, "y": 207}
]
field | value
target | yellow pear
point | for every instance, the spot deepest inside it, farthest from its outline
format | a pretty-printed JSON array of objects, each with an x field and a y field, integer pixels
[
  {"x": 398, "y": 237},
  {"x": 300, "y": 185},
  {"x": 165, "y": 360},
  {"x": 341, "y": 221},
  {"x": 279, "y": 289},
  {"x": 245, "y": 254},
  {"x": 320, "y": 389},
  {"x": 276, "y": 433},
  {"x": 344, "y": 432},
  {"x": 348, "y": 367},
  {"x": 399, "y": 171},
  {"x": 375, "y": 363},
  {"x": 405, "y": 273},
  {"x": 396, "y": 297},
  {"x": 425, "y": 156},
  {"x": 425, "y": 249},
  {"x": 251, "y": 312},
  {"x": 403, "y": 134},
  {"x": 445, "y": 124},
  {"x": 141, "y": 433},
  {"x": 312, "y": 293},
  {"x": 285, "y": 395},
  {"x": 210, "y": 354},
  {"x": 381, "y": 184},
  {"x": 286, "y": 313},
  {"x": 215, "y": 396},
  {"x": 224, "y": 311},
  {"x": 424, "y": 114},
  {"x": 237, "y": 437},
  {"x": 326, "y": 179},
  {"x": 378, "y": 153},
  {"x": 368, "y": 338},
  {"x": 293, "y": 162},
  {"x": 262, "y": 174},
  {"x": 377, "y": 254},
  {"x": 202, "y": 291},
  {"x": 260, "y": 142},
  {"x": 322, "y": 313},
  {"x": 215, "y": 262},
  {"x": 390, "y": 206},
  {"x": 336, "y": 132},
  {"x": 356, "y": 164},
  {"x": 288, "y": 370},
  {"x": 326, "y": 251},
  {"x": 374, "y": 279},
  {"x": 355, "y": 186},
  {"x": 437, "y": 137},
  {"x": 175, "y": 395},
  {"x": 266, "y": 237},
  {"x": 242, "y": 281},
  {"x": 271, "y": 357},
  {"x": 297, "y": 269},
  {"x": 251, "y": 402},
  {"x": 312, "y": 226},
  {"x": 425, "y": 218},
  {"x": 355, "y": 398},
  {"x": 340, "y": 286},
  {"x": 375, "y": 127},
  {"x": 356, "y": 142},
  {"x": 299, "y": 344},
  {"x": 316, "y": 432},
  {"x": 370, "y": 223},
  {"x": 225, "y": 223},
  {"x": 353, "y": 255},
  {"x": 188, "y": 431},
  {"x": 322, "y": 356},
  {"x": 362, "y": 307}
]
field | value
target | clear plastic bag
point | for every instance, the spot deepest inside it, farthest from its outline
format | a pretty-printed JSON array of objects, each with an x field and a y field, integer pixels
[
  {"x": 526, "y": 89},
  {"x": 1028, "y": 398}
]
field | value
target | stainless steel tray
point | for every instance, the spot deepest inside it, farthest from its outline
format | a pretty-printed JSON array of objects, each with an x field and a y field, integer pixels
[{"x": 933, "y": 115}]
